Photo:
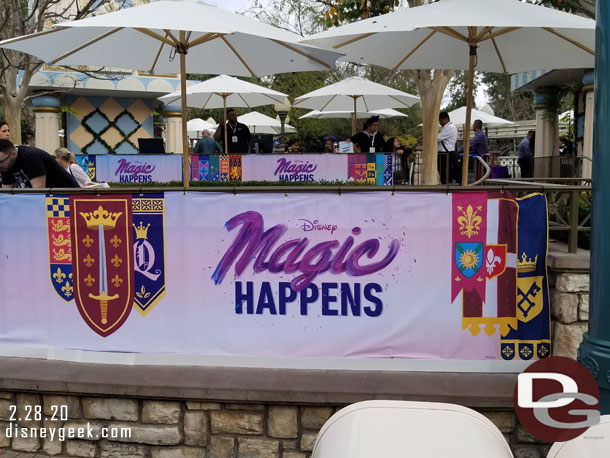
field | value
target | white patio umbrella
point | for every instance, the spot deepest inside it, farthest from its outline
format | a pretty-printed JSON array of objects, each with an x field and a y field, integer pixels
[
  {"x": 149, "y": 36},
  {"x": 383, "y": 114},
  {"x": 223, "y": 90},
  {"x": 197, "y": 125},
  {"x": 355, "y": 94},
  {"x": 259, "y": 123},
  {"x": 500, "y": 36},
  {"x": 458, "y": 117}
]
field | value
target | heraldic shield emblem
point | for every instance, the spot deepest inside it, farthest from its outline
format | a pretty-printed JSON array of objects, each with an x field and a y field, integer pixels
[
  {"x": 468, "y": 258},
  {"x": 102, "y": 261},
  {"x": 60, "y": 249}
]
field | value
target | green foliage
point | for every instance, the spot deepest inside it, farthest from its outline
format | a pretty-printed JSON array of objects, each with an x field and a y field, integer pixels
[
  {"x": 218, "y": 184},
  {"x": 515, "y": 106},
  {"x": 351, "y": 10},
  {"x": 457, "y": 89}
]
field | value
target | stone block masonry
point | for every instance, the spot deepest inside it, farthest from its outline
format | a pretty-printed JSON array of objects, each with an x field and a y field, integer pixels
[{"x": 195, "y": 429}]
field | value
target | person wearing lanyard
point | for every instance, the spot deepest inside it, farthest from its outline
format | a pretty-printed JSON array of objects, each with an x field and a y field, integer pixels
[
  {"x": 238, "y": 134},
  {"x": 370, "y": 140}
]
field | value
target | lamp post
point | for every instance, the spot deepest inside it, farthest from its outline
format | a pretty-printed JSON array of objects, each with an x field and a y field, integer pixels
[
  {"x": 282, "y": 110},
  {"x": 594, "y": 351}
]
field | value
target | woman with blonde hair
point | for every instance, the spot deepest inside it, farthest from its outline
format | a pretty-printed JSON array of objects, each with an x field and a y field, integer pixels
[{"x": 67, "y": 160}]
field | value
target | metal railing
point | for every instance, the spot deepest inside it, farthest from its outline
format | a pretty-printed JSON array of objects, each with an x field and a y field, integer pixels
[
  {"x": 546, "y": 166},
  {"x": 565, "y": 197}
]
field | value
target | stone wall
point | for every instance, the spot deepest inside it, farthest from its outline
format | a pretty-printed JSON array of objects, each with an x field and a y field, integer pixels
[
  {"x": 190, "y": 429},
  {"x": 569, "y": 296}
]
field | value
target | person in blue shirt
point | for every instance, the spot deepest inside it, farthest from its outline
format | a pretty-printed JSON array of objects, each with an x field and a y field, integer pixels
[
  {"x": 207, "y": 145},
  {"x": 526, "y": 155},
  {"x": 478, "y": 142}
]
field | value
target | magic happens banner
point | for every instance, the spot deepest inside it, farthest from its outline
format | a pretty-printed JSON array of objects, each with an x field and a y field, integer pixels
[
  {"x": 376, "y": 169},
  {"x": 404, "y": 275}
]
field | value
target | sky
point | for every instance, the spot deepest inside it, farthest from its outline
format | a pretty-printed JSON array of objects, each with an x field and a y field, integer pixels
[{"x": 231, "y": 5}]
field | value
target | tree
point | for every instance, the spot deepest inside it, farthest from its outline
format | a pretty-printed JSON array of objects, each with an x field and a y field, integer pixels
[
  {"x": 23, "y": 17},
  {"x": 585, "y": 7},
  {"x": 516, "y": 106},
  {"x": 430, "y": 83}
]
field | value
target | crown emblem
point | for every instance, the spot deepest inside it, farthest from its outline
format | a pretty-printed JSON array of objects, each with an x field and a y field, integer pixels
[
  {"x": 91, "y": 164},
  {"x": 141, "y": 231},
  {"x": 101, "y": 217},
  {"x": 526, "y": 265}
]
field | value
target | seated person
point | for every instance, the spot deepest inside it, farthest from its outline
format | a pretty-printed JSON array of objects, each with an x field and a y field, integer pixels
[
  {"x": 67, "y": 160},
  {"x": 29, "y": 167},
  {"x": 370, "y": 140},
  {"x": 292, "y": 146},
  {"x": 329, "y": 144}
]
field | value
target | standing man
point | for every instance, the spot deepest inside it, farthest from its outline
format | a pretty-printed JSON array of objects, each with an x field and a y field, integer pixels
[
  {"x": 207, "y": 145},
  {"x": 447, "y": 137},
  {"x": 29, "y": 167},
  {"x": 526, "y": 155},
  {"x": 238, "y": 134},
  {"x": 370, "y": 140}
]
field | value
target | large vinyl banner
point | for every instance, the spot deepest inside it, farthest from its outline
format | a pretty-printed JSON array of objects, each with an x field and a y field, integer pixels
[{"x": 404, "y": 275}]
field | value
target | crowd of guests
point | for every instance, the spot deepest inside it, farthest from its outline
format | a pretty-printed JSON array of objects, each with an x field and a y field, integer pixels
[{"x": 23, "y": 166}]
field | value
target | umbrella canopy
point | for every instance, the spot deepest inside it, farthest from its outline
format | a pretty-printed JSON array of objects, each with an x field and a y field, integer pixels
[
  {"x": 385, "y": 113},
  {"x": 259, "y": 123},
  {"x": 198, "y": 125},
  {"x": 149, "y": 36},
  {"x": 499, "y": 36},
  {"x": 458, "y": 117},
  {"x": 355, "y": 94},
  {"x": 223, "y": 90}
]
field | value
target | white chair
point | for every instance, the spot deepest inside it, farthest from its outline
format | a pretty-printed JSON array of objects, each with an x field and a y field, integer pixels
[
  {"x": 594, "y": 443},
  {"x": 400, "y": 429}
]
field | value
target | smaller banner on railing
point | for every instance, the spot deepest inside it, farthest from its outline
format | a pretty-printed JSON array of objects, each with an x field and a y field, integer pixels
[{"x": 133, "y": 168}]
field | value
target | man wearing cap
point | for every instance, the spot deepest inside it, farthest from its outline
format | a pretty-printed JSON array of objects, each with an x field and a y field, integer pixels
[{"x": 370, "y": 140}]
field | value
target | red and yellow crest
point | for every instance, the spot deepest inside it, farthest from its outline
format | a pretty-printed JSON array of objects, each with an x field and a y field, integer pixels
[{"x": 102, "y": 261}]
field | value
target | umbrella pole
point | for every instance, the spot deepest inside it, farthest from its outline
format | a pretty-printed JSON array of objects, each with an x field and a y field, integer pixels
[
  {"x": 354, "y": 116},
  {"x": 224, "y": 109},
  {"x": 185, "y": 149},
  {"x": 473, "y": 57}
]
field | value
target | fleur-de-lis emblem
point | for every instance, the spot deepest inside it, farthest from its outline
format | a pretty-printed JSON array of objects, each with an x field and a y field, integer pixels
[
  {"x": 88, "y": 260},
  {"x": 88, "y": 241},
  {"x": 115, "y": 241},
  {"x": 89, "y": 280},
  {"x": 470, "y": 222},
  {"x": 142, "y": 294},
  {"x": 116, "y": 261},
  {"x": 67, "y": 289},
  {"x": 59, "y": 276},
  {"x": 116, "y": 281}
]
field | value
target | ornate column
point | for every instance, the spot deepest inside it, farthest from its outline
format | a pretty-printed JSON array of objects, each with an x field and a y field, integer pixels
[
  {"x": 46, "y": 122},
  {"x": 547, "y": 135},
  {"x": 173, "y": 129},
  {"x": 594, "y": 351},
  {"x": 587, "y": 144}
]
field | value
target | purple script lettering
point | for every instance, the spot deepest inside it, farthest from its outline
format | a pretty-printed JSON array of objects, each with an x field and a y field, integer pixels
[
  {"x": 285, "y": 166},
  {"x": 133, "y": 169},
  {"x": 290, "y": 257}
]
